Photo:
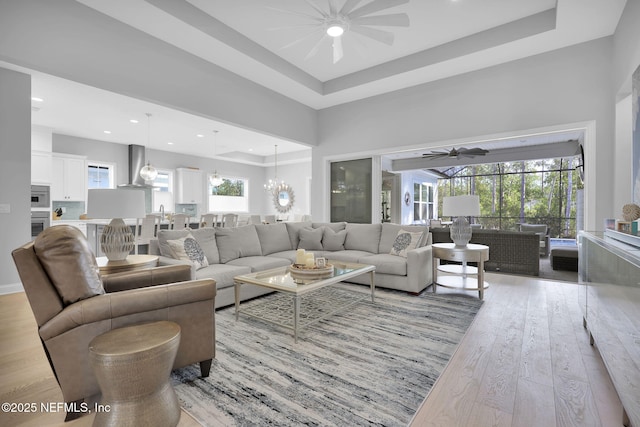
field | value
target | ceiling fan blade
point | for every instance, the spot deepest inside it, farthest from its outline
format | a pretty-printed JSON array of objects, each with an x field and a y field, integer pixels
[
  {"x": 337, "y": 49},
  {"x": 436, "y": 154},
  {"x": 348, "y": 6},
  {"x": 375, "y": 6},
  {"x": 316, "y": 47},
  {"x": 317, "y": 8},
  {"x": 333, "y": 8},
  {"x": 291, "y": 12},
  {"x": 391, "y": 20},
  {"x": 301, "y": 39},
  {"x": 379, "y": 35}
]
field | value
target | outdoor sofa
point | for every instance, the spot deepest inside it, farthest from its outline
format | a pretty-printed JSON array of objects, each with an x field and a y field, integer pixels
[{"x": 230, "y": 252}]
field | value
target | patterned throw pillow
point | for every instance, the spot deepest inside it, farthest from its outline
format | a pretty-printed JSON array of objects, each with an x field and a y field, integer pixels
[
  {"x": 405, "y": 241},
  {"x": 188, "y": 249}
]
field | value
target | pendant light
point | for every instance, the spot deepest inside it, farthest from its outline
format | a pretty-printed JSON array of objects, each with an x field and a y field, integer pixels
[
  {"x": 273, "y": 186},
  {"x": 148, "y": 172},
  {"x": 215, "y": 179}
]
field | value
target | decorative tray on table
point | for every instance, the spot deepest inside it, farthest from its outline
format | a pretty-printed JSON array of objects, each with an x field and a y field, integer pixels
[{"x": 300, "y": 271}]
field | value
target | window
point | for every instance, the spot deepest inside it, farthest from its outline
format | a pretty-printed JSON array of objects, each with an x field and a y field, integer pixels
[
  {"x": 351, "y": 191},
  {"x": 164, "y": 181},
  {"x": 230, "y": 196},
  {"x": 422, "y": 201},
  {"x": 100, "y": 175}
]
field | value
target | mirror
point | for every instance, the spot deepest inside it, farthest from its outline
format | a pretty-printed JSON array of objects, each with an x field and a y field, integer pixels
[{"x": 283, "y": 198}]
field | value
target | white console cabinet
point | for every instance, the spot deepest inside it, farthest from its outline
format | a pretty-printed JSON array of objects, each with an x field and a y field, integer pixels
[{"x": 189, "y": 186}]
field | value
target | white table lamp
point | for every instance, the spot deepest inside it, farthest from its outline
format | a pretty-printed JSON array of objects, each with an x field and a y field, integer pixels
[
  {"x": 461, "y": 207},
  {"x": 116, "y": 240}
]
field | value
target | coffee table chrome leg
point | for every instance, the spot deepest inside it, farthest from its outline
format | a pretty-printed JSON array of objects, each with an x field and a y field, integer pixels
[
  {"x": 237, "y": 296},
  {"x": 296, "y": 316},
  {"x": 373, "y": 285}
]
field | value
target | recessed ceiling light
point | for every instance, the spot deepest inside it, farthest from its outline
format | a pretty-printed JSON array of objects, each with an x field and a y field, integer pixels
[
  {"x": 200, "y": 135},
  {"x": 107, "y": 132},
  {"x": 170, "y": 143},
  {"x": 36, "y": 99},
  {"x": 250, "y": 149},
  {"x": 133, "y": 121}
]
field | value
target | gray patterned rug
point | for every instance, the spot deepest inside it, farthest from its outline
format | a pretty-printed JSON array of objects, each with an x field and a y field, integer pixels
[{"x": 371, "y": 364}]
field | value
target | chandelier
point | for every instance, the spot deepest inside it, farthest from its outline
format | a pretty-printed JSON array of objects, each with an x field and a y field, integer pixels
[
  {"x": 215, "y": 179},
  {"x": 274, "y": 186},
  {"x": 148, "y": 172}
]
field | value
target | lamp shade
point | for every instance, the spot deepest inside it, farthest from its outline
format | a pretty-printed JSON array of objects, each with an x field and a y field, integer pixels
[
  {"x": 461, "y": 206},
  {"x": 108, "y": 204}
]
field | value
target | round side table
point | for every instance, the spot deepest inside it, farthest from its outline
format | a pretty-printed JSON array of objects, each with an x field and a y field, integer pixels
[
  {"x": 132, "y": 366},
  {"x": 132, "y": 262},
  {"x": 464, "y": 254}
]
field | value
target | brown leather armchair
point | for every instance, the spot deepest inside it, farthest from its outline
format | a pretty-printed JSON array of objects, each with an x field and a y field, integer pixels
[{"x": 55, "y": 268}]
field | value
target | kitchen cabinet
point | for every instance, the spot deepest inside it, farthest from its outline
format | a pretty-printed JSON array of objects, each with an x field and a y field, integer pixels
[
  {"x": 40, "y": 167},
  {"x": 189, "y": 186},
  {"x": 69, "y": 178}
]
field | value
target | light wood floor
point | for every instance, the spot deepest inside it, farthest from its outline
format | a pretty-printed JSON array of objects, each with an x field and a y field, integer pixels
[{"x": 525, "y": 361}]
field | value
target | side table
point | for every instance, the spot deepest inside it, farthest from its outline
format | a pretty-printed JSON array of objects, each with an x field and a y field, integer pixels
[
  {"x": 133, "y": 262},
  {"x": 132, "y": 365},
  {"x": 464, "y": 254}
]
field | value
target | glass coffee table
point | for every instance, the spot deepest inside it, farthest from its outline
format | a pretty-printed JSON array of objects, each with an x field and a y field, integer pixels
[{"x": 280, "y": 279}]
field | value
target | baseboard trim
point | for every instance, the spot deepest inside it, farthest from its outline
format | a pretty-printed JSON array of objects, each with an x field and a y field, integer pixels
[{"x": 11, "y": 288}]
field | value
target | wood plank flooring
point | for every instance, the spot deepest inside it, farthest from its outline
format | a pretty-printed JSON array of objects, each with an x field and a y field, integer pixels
[{"x": 525, "y": 361}]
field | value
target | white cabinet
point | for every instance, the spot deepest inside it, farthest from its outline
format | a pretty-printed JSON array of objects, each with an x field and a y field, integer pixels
[
  {"x": 189, "y": 185},
  {"x": 69, "y": 179},
  {"x": 40, "y": 167}
]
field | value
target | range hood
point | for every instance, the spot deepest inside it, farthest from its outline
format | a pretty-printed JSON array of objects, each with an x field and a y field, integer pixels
[{"x": 136, "y": 162}]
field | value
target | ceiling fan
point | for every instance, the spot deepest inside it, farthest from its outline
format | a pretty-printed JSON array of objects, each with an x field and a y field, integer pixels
[
  {"x": 456, "y": 153},
  {"x": 335, "y": 22}
]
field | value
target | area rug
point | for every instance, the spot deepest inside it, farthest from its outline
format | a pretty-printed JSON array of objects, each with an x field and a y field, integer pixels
[{"x": 372, "y": 364}]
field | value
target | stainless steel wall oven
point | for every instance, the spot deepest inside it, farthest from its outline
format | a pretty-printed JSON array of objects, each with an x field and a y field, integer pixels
[
  {"x": 40, "y": 196},
  {"x": 39, "y": 221}
]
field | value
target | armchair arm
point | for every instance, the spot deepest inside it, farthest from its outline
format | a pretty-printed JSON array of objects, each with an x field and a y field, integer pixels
[
  {"x": 118, "y": 304},
  {"x": 117, "y": 282}
]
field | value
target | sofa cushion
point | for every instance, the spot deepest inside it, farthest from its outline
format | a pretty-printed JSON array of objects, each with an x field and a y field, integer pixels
[
  {"x": 260, "y": 263},
  {"x": 405, "y": 241},
  {"x": 293, "y": 228},
  {"x": 187, "y": 249},
  {"x": 311, "y": 239},
  {"x": 273, "y": 238},
  {"x": 237, "y": 242},
  {"x": 332, "y": 240},
  {"x": 363, "y": 237},
  {"x": 223, "y": 274},
  {"x": 347, "y": 255},
  {"x": 534, "y": 228},
  {"x": 386, "y": 264},
  {"x": 166, "y": 235},
  {"x": 288, "y": 255},
  {"x": 335, "y": 226},
  {"x": 390, "y": 232},
  {"x": 206, "y": 238},
  {"x": 70, "y": 264}
]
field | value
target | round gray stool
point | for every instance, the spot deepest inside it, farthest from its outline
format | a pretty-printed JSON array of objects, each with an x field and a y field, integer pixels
[{"x": 132, "y": 366}]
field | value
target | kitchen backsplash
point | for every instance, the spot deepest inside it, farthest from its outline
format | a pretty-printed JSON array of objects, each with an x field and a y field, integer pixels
[
  {"x": 72, "y": 210},
  {"x": 189, "y": 209}
]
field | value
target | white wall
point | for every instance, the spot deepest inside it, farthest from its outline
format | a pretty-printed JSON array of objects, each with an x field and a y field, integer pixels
[
  {"x": 626, "y": 48},
  {"x": 15, "y": 168},
  {"x": 297, "y": 175},
  {"x": 565, "y": 86},
  {"x": 623, "y": 184}
]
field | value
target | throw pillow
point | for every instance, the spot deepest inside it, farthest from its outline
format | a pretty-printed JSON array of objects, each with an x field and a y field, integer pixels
[
  {"x": 188, "y": 249},
  {"x": 405, "y": 241},
  {"x": 65, "y": 255},
  {"x": 333, "y": 241},
  {"x": 311, "y": 239}
]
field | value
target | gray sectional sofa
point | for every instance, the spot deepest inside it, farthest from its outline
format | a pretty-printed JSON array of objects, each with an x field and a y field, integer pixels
[{"x": 229, "y": 252}]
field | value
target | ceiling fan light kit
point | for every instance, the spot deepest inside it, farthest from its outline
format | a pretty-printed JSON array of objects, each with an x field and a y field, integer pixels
[{"x": 336, "y": 23}]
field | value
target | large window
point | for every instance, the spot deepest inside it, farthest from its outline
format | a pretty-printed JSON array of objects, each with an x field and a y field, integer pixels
[
  {"x": 230, "y": 196},
  {"x": 100, "y": 175},
  {"x": 537, "y": 192},
  {"x": 422, "y": 201}
]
